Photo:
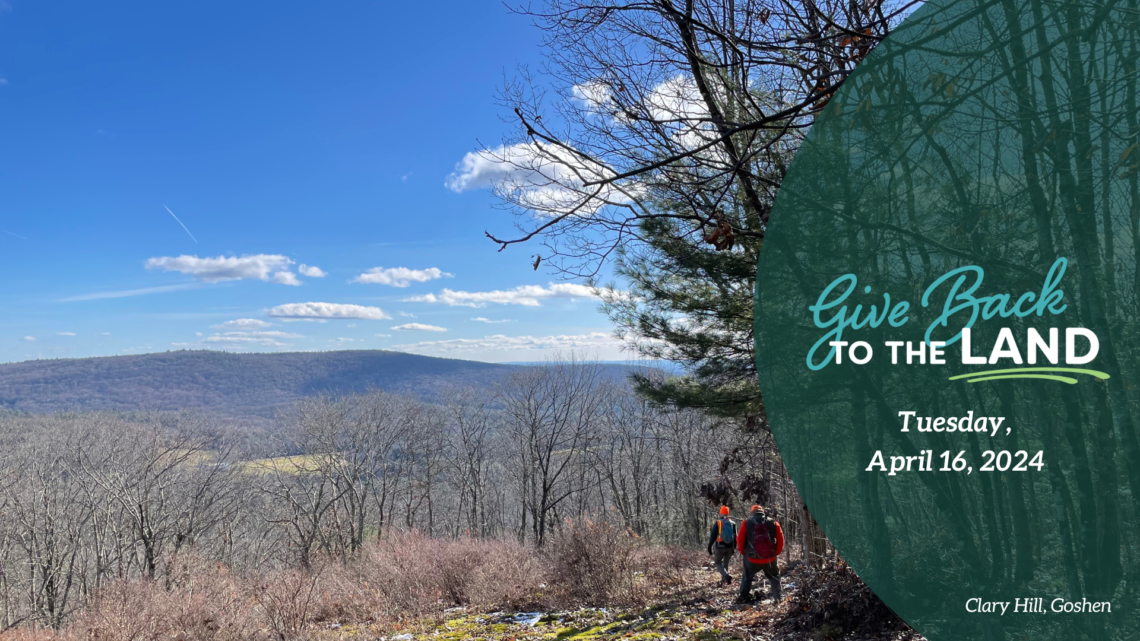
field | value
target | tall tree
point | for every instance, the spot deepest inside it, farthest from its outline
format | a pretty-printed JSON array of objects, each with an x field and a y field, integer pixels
[{"x": 657, "y": 139}]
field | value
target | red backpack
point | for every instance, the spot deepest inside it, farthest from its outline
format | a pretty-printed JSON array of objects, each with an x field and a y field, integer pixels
[{"x": 760, "y": 542}]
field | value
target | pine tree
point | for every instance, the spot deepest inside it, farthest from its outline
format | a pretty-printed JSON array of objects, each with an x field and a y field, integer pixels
[{"x": 691, "y": 303}]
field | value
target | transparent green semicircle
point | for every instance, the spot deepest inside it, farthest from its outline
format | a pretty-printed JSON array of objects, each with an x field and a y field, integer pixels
[{"x": 1001, "y": 139}]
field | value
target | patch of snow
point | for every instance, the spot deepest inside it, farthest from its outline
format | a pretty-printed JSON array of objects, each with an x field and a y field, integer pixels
[{"x": 529, "y": 618}]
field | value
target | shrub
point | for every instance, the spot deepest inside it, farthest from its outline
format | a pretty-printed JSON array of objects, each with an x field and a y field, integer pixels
[
  {"x": 455, "y": 562},
  {"x": 509, "y": 576},
  {"x": 665, "y": 566},
  {"x": 287, "y": 601},
  {"x": 405, "y": 575},
  {"x": 412, "y": 574},
  {"x": 403, "y": 567},
  {"x": 594, "y": 563},
  {"x": 347, "y": 595},
  {"x": 199, "y": 601}
]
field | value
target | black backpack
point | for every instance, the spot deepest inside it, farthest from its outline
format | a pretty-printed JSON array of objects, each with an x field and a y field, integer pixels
[{"x": 761, "y": 538}]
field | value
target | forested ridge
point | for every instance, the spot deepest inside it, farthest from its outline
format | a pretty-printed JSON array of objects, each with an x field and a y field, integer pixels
[{"x": 247, "y": 388}]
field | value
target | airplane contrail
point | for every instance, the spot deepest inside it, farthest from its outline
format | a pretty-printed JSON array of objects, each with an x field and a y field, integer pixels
[
  {"x": 16, "y": 235},
  {"x": 183, "y": 225}
]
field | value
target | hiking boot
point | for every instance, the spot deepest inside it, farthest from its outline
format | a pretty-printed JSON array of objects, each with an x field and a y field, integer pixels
[{"x": 728, "y": 581}]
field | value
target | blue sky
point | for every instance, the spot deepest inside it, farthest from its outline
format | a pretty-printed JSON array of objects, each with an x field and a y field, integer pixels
[{"x": 284, "y": 136}]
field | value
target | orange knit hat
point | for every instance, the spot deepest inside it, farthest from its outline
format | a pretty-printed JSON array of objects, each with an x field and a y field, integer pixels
[
  {"x": 757, "y": 508},
  {"x": 724, "y": 510}
]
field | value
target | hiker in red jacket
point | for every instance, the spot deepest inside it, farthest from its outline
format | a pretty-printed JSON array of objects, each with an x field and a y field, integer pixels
[{"x": 760, "y": 540}]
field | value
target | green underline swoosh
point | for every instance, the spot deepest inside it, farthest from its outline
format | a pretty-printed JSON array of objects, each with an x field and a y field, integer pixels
[
  {"x": 1027, "y": 372},
  {"x": 1048, "y": 377}
]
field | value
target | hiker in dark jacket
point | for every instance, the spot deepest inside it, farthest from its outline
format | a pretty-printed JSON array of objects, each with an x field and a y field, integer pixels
[
  {"x": 759, "y": 540},
  {"x": 721, "y": 544}
]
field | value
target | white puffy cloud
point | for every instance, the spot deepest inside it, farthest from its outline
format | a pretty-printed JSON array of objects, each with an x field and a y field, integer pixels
[
  {"x": 544, "y": 178},
  {"x": 552, "y": 179},
  {"x": 525, "y": 165},
  {"x": 525, "y": 295},
  {"x": 399, "y": 276},
  {"x": 420, "y": 327},
  {"x": 602, "y": 345},
  {"x": 29, "y": 338},
  {"x": 594, "y": 96},
  {"x": 223, "y": 268},
  {"x": 675, "y": 105},
  {"x": 242, "y": 323},
  {"x": 342, "y": 340},
  {"x": 286, "y": 278},
  {"x": 678, "y": 102},
  {"x": 65, "y": 334},
  {"x": 480, "y": 319},
  {"x": 312, "y": 271},
  {"x": 679, "y": 99},
  {"x": 325, "y": 311}
]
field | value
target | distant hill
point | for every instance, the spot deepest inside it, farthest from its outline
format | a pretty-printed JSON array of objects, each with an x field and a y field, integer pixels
[{"x": 250, "y": 388}]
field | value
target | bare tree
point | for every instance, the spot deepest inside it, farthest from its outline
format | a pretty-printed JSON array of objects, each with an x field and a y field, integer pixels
[
  {"x": 694, "y": 102},
  {"x": 471, "y": 423},
  {"x": 164, "y": 478},
  {"x": 551, "y": 414},
  {"x": 48, "y": 510},
  {"x": 628, "y": 457}
]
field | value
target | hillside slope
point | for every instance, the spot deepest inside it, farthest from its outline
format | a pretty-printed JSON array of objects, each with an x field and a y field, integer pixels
[{"x": 248, "y": 387}]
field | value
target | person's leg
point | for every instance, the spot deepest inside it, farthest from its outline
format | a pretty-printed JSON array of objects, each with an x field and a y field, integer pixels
[
  {"x": 721, "y": 558},
  {"x": 772, "y": 571},
  {"x": 748, "y": 570}
]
